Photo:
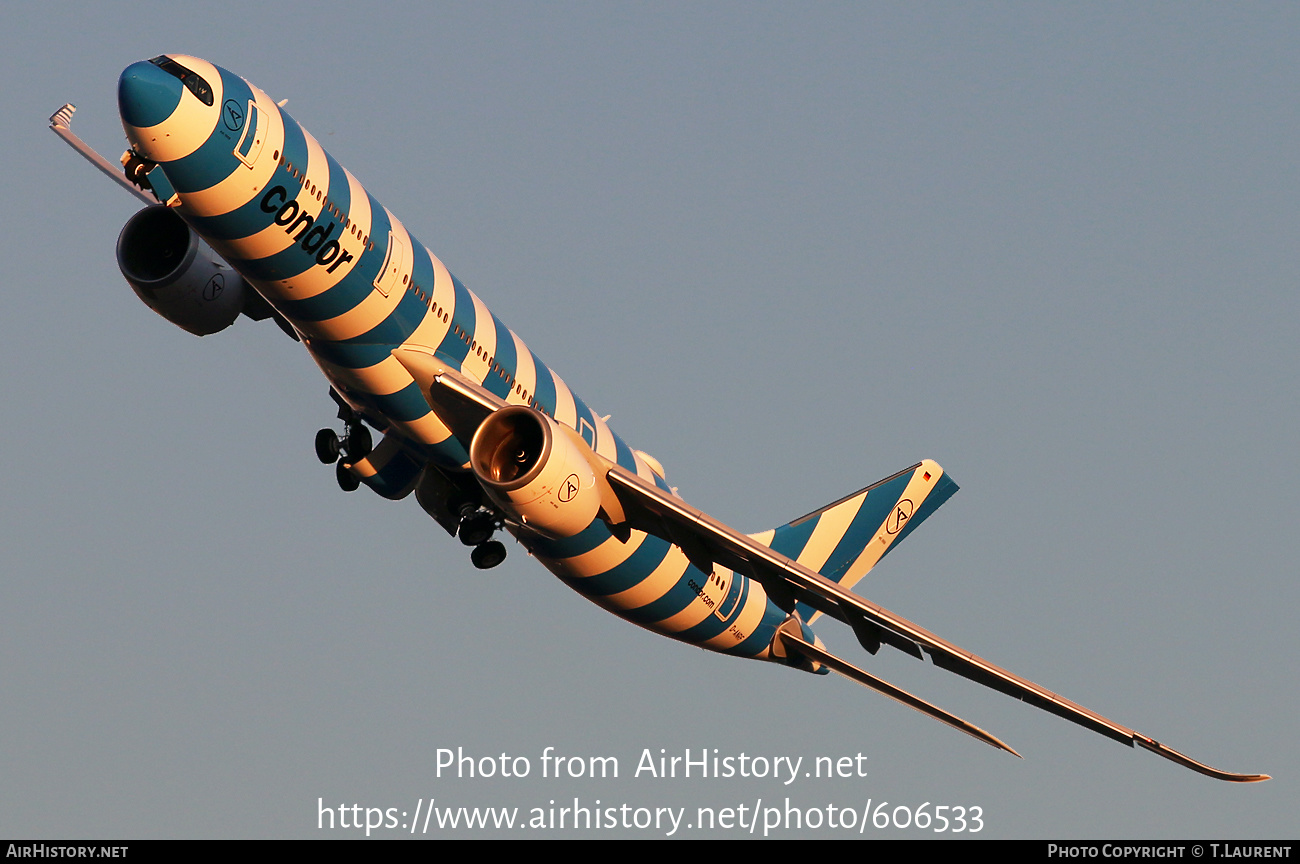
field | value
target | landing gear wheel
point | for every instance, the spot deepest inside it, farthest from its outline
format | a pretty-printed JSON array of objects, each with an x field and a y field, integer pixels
[
  {"x": 327, "y": 446},
  {"x": 359, "y": 446},
  {"x": 348, "y": 481},
  {"x": 477, "y": 529},
  {"x": 488, "y": 555}
]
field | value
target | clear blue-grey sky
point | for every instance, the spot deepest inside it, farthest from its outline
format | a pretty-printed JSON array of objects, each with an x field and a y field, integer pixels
[{"x": 791, "y": 249}]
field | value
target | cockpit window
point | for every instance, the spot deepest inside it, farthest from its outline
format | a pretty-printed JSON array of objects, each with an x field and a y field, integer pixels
[{"x": 193, "y": 81}]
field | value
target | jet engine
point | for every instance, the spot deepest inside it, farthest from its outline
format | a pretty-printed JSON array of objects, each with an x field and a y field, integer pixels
[
  {"x": 536, "y": 470},
  {"x": 177, "y": 275}
]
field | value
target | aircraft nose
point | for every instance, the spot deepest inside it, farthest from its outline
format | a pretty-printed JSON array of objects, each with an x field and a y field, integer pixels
[{"x": 146, "y": 95}]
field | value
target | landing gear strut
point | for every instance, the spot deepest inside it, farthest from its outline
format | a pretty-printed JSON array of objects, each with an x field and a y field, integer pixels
[{"x": 355, "y": 442}]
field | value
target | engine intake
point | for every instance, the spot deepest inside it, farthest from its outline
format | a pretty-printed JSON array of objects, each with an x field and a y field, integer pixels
[
  {"x": 536, "y": 470},
  {"x": 176, "y": 274}
]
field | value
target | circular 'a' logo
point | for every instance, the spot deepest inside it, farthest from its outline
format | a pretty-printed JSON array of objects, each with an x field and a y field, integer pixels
[
  {"x": 898, "y": 518},
  {"x": 215, "y": 286},
  {"x": 568, "y": 489},
  {"x": 233, "y": 115}
]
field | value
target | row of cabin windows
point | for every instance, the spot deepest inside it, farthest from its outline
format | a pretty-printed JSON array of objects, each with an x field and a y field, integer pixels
[
  {"x": 494, "y": 367},
  {"x": 441, "y": 314},
  {"x": 438, "y": 311},
  {"x": 313, "y": 189}
]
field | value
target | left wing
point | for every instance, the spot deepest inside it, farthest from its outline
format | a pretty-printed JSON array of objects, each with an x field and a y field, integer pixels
[
  {"x": 706, "y": 541},
  {"x": 61, "y": 125}
]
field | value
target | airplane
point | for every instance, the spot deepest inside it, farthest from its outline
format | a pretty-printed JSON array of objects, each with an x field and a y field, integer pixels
[{"x": 246, "y": 214}]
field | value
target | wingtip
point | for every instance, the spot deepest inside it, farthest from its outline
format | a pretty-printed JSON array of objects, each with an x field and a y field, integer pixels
[
  {"x": 992, "y": 740},
  {"x": 62, "y": 118},
  {"x": 1200, "y": 767}
]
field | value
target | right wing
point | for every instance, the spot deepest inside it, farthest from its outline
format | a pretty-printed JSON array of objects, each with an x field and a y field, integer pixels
[
  {"x": 706, "y": 541},
  {"x": 654, "y": 511}
]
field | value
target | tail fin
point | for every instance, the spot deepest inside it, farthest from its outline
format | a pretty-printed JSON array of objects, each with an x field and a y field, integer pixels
[{"x": 844, "y": 540}]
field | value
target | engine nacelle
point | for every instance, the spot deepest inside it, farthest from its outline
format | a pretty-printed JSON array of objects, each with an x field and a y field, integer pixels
[
  {"x": 536, "y": 470},
  {"x": 176, "y": 274}
]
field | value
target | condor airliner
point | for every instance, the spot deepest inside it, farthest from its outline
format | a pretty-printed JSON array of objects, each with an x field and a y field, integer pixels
[{"x": 247, "y": 214}]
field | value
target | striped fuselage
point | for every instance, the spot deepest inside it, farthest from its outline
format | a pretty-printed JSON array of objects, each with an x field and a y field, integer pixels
[{"x": 356, "y": 286}]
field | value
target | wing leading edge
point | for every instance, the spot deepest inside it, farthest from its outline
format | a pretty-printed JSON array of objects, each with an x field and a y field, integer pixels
[{"x": 707, "y": 541}]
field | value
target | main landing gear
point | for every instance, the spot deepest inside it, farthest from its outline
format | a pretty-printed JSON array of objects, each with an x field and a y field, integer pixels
[
  {"x": 488, "y": 555},
  {"x": 476, "y": 529},
  {"x": 454, "y": 499},
  {"x": 355, "y": 443}
]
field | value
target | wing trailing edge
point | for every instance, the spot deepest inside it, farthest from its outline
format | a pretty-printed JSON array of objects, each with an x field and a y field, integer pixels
[{"x": 792, "y": 642}]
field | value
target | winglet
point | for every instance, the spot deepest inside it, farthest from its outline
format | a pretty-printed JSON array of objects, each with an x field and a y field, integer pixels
[
  {"x": 1187, "y": 762},
  {"x": 61, "y": 125}
]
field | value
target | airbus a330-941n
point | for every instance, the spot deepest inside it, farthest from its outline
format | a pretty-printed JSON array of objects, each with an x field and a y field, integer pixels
[{"x": 249, "y": 215}]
